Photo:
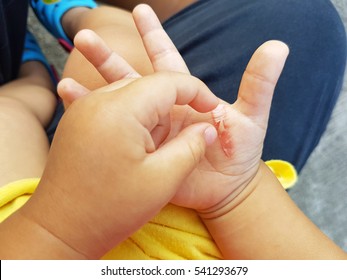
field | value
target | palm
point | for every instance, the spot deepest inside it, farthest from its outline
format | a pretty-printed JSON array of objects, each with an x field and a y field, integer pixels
[{"x": 231, "y": 169}]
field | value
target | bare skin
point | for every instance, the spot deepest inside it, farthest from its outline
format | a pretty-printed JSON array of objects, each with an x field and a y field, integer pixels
[
  {"x": 164, "y": 8},
  {"x": 26, "y": 107}
]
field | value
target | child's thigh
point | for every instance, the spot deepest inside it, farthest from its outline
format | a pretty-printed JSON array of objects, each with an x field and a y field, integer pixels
[
  {"x": 163, "y": 9},
  {"x": 117, "y": 28},
  {"x": 23, "y": 143}
]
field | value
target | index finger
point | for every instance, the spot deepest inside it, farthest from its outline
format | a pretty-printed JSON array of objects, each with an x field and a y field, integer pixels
[{"x": 159, "y": 47}]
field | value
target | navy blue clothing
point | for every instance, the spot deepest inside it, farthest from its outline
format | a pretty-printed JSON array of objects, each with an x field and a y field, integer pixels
[
  {"x": 13, "y": 19},
  {"x": 217, "y": 39}
]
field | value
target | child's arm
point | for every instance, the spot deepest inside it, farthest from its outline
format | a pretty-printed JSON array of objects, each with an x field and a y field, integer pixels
[
  {"x": 105, "y": 177},
  {"x": 264, "y": 223},
  {"x": 23, "y": 238},
  {"x": 256, "y": 219}
]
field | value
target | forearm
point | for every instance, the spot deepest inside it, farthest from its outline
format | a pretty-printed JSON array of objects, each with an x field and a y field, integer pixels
[
  {"x": 266, "y": 224},
  {"x": 21, "y": 238}
]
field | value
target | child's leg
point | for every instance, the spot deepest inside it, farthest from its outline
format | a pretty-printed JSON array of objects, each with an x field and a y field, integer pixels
[
  {"x": 117, "y": 28},
  {"x": 26, "y": 106},
  {"x": 163, "y": 8}
]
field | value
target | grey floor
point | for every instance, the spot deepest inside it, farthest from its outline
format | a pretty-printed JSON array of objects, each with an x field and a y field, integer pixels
[
  {"x": 322, "y": 188},
  {"x": 321, "y": 192}
]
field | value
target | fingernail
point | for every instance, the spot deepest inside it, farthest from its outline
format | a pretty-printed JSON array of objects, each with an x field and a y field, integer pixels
[
  {"x": 210, "y": 135},
  {"x": 218, "y": 113}
]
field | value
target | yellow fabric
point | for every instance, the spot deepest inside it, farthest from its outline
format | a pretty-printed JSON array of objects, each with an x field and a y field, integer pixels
[
  {"x": 15, "y": 195},
  {"x": 175, "y": 233},
  {"x": 284, "y": 171}
]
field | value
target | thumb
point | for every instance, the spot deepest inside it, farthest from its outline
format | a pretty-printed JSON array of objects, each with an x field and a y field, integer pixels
[{"x": 178, "y": 157}]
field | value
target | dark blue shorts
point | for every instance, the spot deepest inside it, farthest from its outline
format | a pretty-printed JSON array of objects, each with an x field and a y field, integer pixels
[
  {"x": 217, "y": 39},
  {"x": 13, "y": 18}
]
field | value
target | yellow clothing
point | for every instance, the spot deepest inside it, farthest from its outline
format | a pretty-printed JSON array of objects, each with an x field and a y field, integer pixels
[
  {"x": 175, "y": 233},
  {"x": 284, "y": 171},
  {"x": 15, "y": 195}
]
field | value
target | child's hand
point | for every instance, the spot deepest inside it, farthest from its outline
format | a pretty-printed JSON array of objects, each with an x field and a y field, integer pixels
[
  {"x": 105, "y": 177},
  {"x": 232, "y": 162}
]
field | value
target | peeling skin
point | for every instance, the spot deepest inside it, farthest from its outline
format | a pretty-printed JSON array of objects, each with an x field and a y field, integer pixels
[{"x": 219, "y": 115}]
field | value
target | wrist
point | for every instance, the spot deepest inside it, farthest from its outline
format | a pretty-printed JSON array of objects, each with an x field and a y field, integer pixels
[
  {"x": 236, "y": 197},
  {"x": 23, "y": 238},
  {"x": 266, "y": 224},
  {"x": 52, "y": 214},
  {"x": 231, "y": 225}
]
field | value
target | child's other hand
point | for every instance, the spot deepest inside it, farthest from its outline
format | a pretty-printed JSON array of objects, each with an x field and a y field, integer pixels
[{"x": 104, "y": 176}]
